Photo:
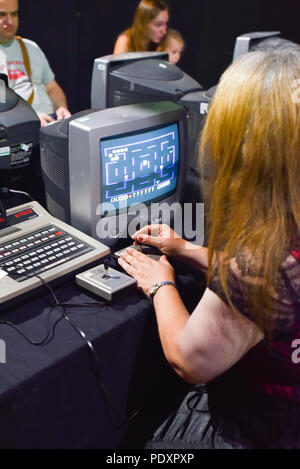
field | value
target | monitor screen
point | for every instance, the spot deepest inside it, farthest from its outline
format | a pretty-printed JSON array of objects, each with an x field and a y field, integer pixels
[{"x": 141, "y": 167}]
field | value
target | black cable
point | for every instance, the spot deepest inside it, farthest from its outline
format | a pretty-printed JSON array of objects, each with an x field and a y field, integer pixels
[
  {"x": 6, "y": 190},
  {"x": 95, "y": 361},
  {"x": 33, "y": 342},
  {"x": 94, "y": 358}
]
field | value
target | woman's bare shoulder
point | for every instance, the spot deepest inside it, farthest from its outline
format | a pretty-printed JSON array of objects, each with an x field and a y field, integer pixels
[{"x": 121, "y": 44}]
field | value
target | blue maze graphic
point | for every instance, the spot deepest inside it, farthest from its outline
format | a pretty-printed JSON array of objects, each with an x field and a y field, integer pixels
[{"x": 140, "y": 167}]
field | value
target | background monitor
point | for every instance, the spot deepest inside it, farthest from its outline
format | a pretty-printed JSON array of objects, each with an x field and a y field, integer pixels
[
  {"x": 245, "y": 42},
  {"x": 19, "y": 143},
  {"x": 139, "y": 77},
  {"x": 197, "y": 103},
  {"x": 260, "y": 40},
  {"x": 105, "y": 171}
]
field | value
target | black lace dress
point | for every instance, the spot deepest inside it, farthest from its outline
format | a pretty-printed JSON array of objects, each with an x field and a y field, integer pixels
[{"x": 256, "y": 403}]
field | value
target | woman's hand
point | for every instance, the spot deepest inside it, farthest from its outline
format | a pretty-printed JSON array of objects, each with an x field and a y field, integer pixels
[
  {"x": 145, "y": 270},
  {"x": 162, "y": 237}
]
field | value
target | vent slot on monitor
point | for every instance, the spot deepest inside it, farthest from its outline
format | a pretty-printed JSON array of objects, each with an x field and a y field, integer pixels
[
  {"x": 55, "y": 209},
  {"x": 53, "y": 166}
]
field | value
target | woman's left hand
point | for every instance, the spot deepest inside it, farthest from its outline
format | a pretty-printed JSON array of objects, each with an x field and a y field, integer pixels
[{"x": 145, "y": 270}]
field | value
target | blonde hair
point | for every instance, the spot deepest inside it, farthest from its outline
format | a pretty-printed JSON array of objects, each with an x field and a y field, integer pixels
[
  {"x": 252, "y": 142},
  {"x": 145, "y": 12},
  {"x": 171, "y": 34}
]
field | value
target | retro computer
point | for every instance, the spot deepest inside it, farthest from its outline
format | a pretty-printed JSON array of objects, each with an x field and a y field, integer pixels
[{"x": 107, "y": 172}]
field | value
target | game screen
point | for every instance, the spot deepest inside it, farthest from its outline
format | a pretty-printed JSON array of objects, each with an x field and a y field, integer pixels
[{"x": 141, "y": 167}]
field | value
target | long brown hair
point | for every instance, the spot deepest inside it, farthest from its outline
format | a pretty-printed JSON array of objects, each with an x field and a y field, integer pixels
[
  {"x": 145, "y": 12},
  {"x": 252, "y": 141}
]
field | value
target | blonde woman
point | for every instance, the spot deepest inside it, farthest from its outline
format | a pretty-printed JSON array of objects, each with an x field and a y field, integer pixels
[
  {"x": 239, "y": 346},
  {"x": 149, "y": 27}
]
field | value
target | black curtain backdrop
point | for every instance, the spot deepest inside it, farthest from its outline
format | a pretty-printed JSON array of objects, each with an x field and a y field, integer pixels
[{"x": 73, "y": 33}]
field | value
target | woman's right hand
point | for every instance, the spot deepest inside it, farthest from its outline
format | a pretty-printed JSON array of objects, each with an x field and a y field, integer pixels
[{"x": 160, "y": 236}]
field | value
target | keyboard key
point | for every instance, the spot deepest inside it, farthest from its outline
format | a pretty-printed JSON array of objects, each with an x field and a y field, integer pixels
[{"x": 23, "y": 260}]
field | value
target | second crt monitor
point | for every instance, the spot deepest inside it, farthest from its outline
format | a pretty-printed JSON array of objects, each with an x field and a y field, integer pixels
[{"x": 106, "y": 170}]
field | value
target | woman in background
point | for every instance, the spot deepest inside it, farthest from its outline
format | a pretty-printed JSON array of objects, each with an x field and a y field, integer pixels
[
  {"x": 241, "y": 344},
  {"x": 149, "y": 27}
]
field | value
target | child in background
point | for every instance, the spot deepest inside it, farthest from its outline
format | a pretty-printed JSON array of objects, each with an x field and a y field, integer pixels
[{"x": 172, "y": 43}]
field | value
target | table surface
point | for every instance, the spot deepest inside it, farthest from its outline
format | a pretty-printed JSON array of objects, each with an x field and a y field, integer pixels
[
  {"x": 59, "y": 394},
  {"x": 48, "y": 393}
]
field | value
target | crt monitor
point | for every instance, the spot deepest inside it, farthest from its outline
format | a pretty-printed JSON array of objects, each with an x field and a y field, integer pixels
[
  {"x": 197, "y": 103},
  {"x": 19, "y": 142},
  {"x": 260, "y": 40},
  {"x": 107, "y": 172},
  {"x": 137, "y": 77}
]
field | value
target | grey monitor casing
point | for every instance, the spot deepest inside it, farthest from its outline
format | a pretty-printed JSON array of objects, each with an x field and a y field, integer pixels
[
  {"x": 85, "y": 134},
  {"x": 103, "y": 66},
  {"x": 138, "y": 77},
  {"x": 244, "y": 41}
]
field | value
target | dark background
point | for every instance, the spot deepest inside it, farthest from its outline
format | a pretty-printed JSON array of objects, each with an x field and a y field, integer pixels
[{"x": 73, "y": 33}]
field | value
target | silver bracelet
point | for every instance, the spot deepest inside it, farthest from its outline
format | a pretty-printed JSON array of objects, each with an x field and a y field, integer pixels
[{"x": 157, "y": 286}]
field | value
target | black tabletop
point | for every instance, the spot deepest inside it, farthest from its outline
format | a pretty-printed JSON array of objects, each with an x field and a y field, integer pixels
[{"x": 84, "y": 375}]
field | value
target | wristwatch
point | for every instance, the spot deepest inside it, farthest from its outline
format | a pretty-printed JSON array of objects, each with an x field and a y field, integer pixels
[{"x": 156, "y": 287}]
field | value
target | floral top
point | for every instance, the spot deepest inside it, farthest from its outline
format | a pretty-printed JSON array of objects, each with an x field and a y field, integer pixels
[{"x": 272, "y": 370}]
